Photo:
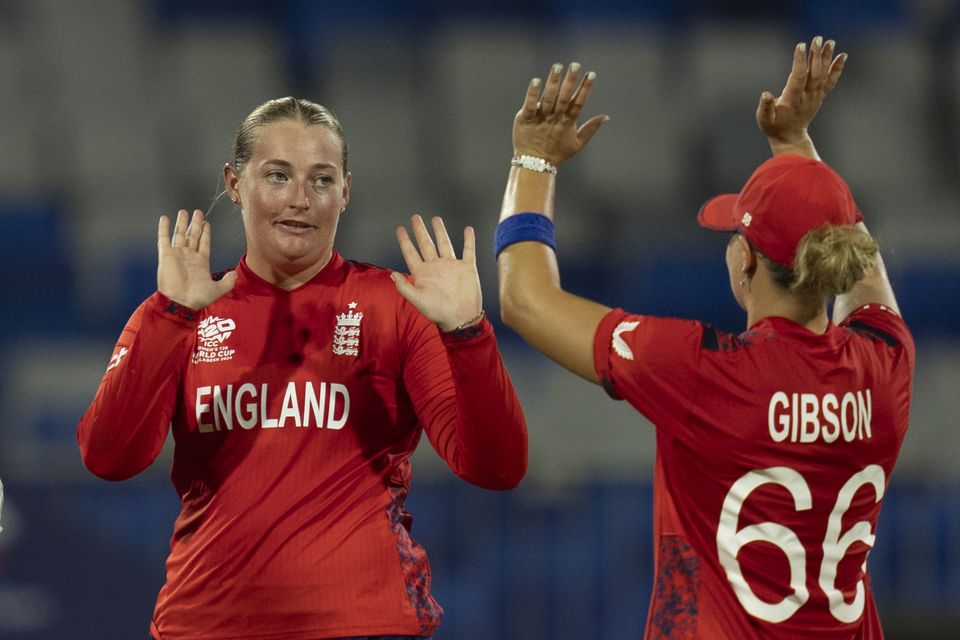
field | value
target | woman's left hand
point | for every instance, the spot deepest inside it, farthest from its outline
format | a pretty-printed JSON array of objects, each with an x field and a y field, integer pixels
[
  {"x": 546, "y": 125},
  {"x": 444, "y": 289}
]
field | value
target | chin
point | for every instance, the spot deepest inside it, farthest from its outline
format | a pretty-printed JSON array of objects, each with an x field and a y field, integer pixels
[{"x": 304, "y": 254}]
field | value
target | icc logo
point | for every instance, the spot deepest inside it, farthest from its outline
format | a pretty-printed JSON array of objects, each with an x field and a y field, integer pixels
[{"x": 214, "y": 331}]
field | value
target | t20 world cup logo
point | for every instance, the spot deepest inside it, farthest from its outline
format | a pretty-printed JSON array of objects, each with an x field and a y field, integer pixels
[{"x": 214, "y": 331}]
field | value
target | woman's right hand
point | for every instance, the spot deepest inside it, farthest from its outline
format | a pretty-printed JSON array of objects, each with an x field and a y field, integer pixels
[
  {"x": 785, "y": 118},
  {"x": 546, "y": 125},
  {"x": 183, "y": 267}
]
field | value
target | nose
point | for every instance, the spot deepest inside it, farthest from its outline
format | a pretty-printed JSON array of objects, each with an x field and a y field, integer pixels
[{"x": 300, "y": 199}]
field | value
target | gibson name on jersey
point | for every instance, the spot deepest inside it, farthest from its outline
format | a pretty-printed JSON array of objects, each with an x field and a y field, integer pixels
[{"x": 809, "y": 417}]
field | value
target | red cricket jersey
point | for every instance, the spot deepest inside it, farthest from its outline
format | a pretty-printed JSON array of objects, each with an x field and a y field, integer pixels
[
  {"x": 294, "y": 415},
  {"x": 774, "y": 449}
]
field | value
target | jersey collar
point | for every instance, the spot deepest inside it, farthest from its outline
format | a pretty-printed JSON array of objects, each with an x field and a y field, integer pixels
[
  {"x": 251, "y": 283},
  {"x": 784, "y": 328}
]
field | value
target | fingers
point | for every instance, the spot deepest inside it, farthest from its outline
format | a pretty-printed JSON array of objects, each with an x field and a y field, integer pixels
[
  {"x": 404, "y": 287},
  {"x": 766, "y": 111},
  {"x": 583, "y": 92},
  {"x": 227, "y": 282},
  {"x": 825, "y": 68},
  {"x": 826, "y": 57},
  {"x": 469, "y": 246},
  {"x": 407, "y": 250},
  {"x": 822, "y": 65},
  {"x": 589, "y": 128},
  {"x": 815, "y": 62},
  {"x": 163, "y": 233},
  {"x": 564, "y": 95},
  {"x": 568, "y": 88},
  {"x": 444, "y": 246},
  {"x": 835, "y": 70},
  {"x": 816, "y": 73},
  {"x": 552, "y": 88},
  {"x": 195, "y": 235},
  {"x": 203, "y": 242},
  {"x": 797, "y": 80},
  {"x": 426, "y": 252},
  {"x": 424, "y": 242},
  {"x": 529, "y": 108},
  {"x": 195, "y": 230},
  {"x": 184, "y": 234},
  {"x": 180, "y": 229}
]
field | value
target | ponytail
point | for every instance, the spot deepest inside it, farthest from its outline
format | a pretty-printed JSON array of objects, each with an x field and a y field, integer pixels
[{"x": 829, "y": 261}]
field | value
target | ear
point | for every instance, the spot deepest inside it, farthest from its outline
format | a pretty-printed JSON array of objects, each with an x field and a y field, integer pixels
[
  {"x": 748, "y": 259},
  {"x": 231, "y": 179},
  {"x": 346, "y": 188}
]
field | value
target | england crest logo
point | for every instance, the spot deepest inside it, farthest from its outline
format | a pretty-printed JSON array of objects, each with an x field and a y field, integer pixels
[{"x": 346, "y": 335}]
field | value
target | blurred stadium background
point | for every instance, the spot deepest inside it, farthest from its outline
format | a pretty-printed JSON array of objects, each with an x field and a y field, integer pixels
[{"x": 116, "y": 111}]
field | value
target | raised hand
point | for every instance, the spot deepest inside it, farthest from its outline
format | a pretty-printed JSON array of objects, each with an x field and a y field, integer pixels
[
  {"x": 785, "y": 119},
  {"x": 183, "y": 265},
  {"x": 546, "y": 125},
  {"x": 444, "y": 289}
]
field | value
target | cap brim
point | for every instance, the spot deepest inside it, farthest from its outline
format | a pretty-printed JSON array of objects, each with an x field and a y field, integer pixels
[{"x": 719, "y": 214}]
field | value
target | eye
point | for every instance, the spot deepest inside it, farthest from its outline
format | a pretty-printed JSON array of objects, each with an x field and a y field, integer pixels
[
  {"x": 323, "y": 181},
  {"x": 276, "y": 176}
]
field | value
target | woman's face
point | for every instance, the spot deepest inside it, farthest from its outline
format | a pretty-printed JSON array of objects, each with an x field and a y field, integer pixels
[{"x": 291, "y": 193}]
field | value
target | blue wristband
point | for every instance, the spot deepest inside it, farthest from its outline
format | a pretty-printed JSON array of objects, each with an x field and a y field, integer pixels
[{"x": 523, "y": 227}]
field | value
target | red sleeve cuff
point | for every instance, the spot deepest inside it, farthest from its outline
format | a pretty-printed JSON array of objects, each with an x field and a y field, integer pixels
[
  {"x": 469, "y": 335},
  {"x": 601, "y": 350},
  {"x": 165, "y": 307}
]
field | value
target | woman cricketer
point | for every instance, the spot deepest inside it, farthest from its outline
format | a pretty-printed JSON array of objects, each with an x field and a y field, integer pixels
[{"x": 775, "y": 445}]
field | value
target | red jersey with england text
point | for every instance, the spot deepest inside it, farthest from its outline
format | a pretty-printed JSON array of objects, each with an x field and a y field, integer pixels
[
  {"x": 774, "y": 450},
  {"x": 294, "y": 415}
]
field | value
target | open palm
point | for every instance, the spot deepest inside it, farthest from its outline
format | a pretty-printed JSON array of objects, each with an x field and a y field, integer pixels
[
  {"x": 444, "y": 289},
  {"x": 183, "y": 265}
]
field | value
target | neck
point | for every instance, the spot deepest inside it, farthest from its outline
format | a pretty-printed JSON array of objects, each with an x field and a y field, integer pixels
[
  {"x": 286, "y": 275},
  {"x": 766, "y": 299}
]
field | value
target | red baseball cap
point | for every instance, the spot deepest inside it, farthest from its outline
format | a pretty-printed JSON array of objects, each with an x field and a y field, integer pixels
[{"x": 787, "y": 196}]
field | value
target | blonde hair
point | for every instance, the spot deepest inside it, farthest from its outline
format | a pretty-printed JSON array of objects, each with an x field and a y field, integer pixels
[
  {"x": 299, "y": 110},
  {"x": 829, "y": 261}
]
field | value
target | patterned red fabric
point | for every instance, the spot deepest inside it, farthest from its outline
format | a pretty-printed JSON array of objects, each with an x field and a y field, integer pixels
[
  {"x": 673, "y": 607},
  {"x": 774, "y": 448},
  {"x": 416, "y": 570},
  {"x": 294, "y": 415}
]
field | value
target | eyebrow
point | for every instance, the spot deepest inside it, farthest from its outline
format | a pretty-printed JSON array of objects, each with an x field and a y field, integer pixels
[{"x": 287, "y": 165}]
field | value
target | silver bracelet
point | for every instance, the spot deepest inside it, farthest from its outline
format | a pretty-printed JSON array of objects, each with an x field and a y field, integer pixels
[{"x": 533, "y": 163}]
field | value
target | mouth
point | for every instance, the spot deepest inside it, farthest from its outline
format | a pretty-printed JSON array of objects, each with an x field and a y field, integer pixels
[{"x": 294, "y": 226}]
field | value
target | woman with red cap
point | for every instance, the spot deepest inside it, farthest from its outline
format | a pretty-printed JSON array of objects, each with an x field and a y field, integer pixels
[{"x": 774, "y": 446}]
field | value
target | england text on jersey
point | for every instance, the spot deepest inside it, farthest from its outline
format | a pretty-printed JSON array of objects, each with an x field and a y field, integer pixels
[
  {"x": 307, "y": 404},
  {"x": 797, "y": 416}
]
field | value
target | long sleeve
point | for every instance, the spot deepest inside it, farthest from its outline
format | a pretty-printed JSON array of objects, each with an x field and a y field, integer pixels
[
  {"x": 467, "y": 405},
  {"x": 124, "y": 428}
]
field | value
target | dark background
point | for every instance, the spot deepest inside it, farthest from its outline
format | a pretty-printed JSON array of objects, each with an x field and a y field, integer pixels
[{"x": 113, "y": 112}]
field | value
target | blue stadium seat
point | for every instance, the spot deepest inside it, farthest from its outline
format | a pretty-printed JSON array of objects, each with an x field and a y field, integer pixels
[{"x": 37, "y": 282}]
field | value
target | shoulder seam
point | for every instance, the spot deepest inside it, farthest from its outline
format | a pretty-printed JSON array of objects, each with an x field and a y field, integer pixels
[{"x": 858, "y": 326}]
